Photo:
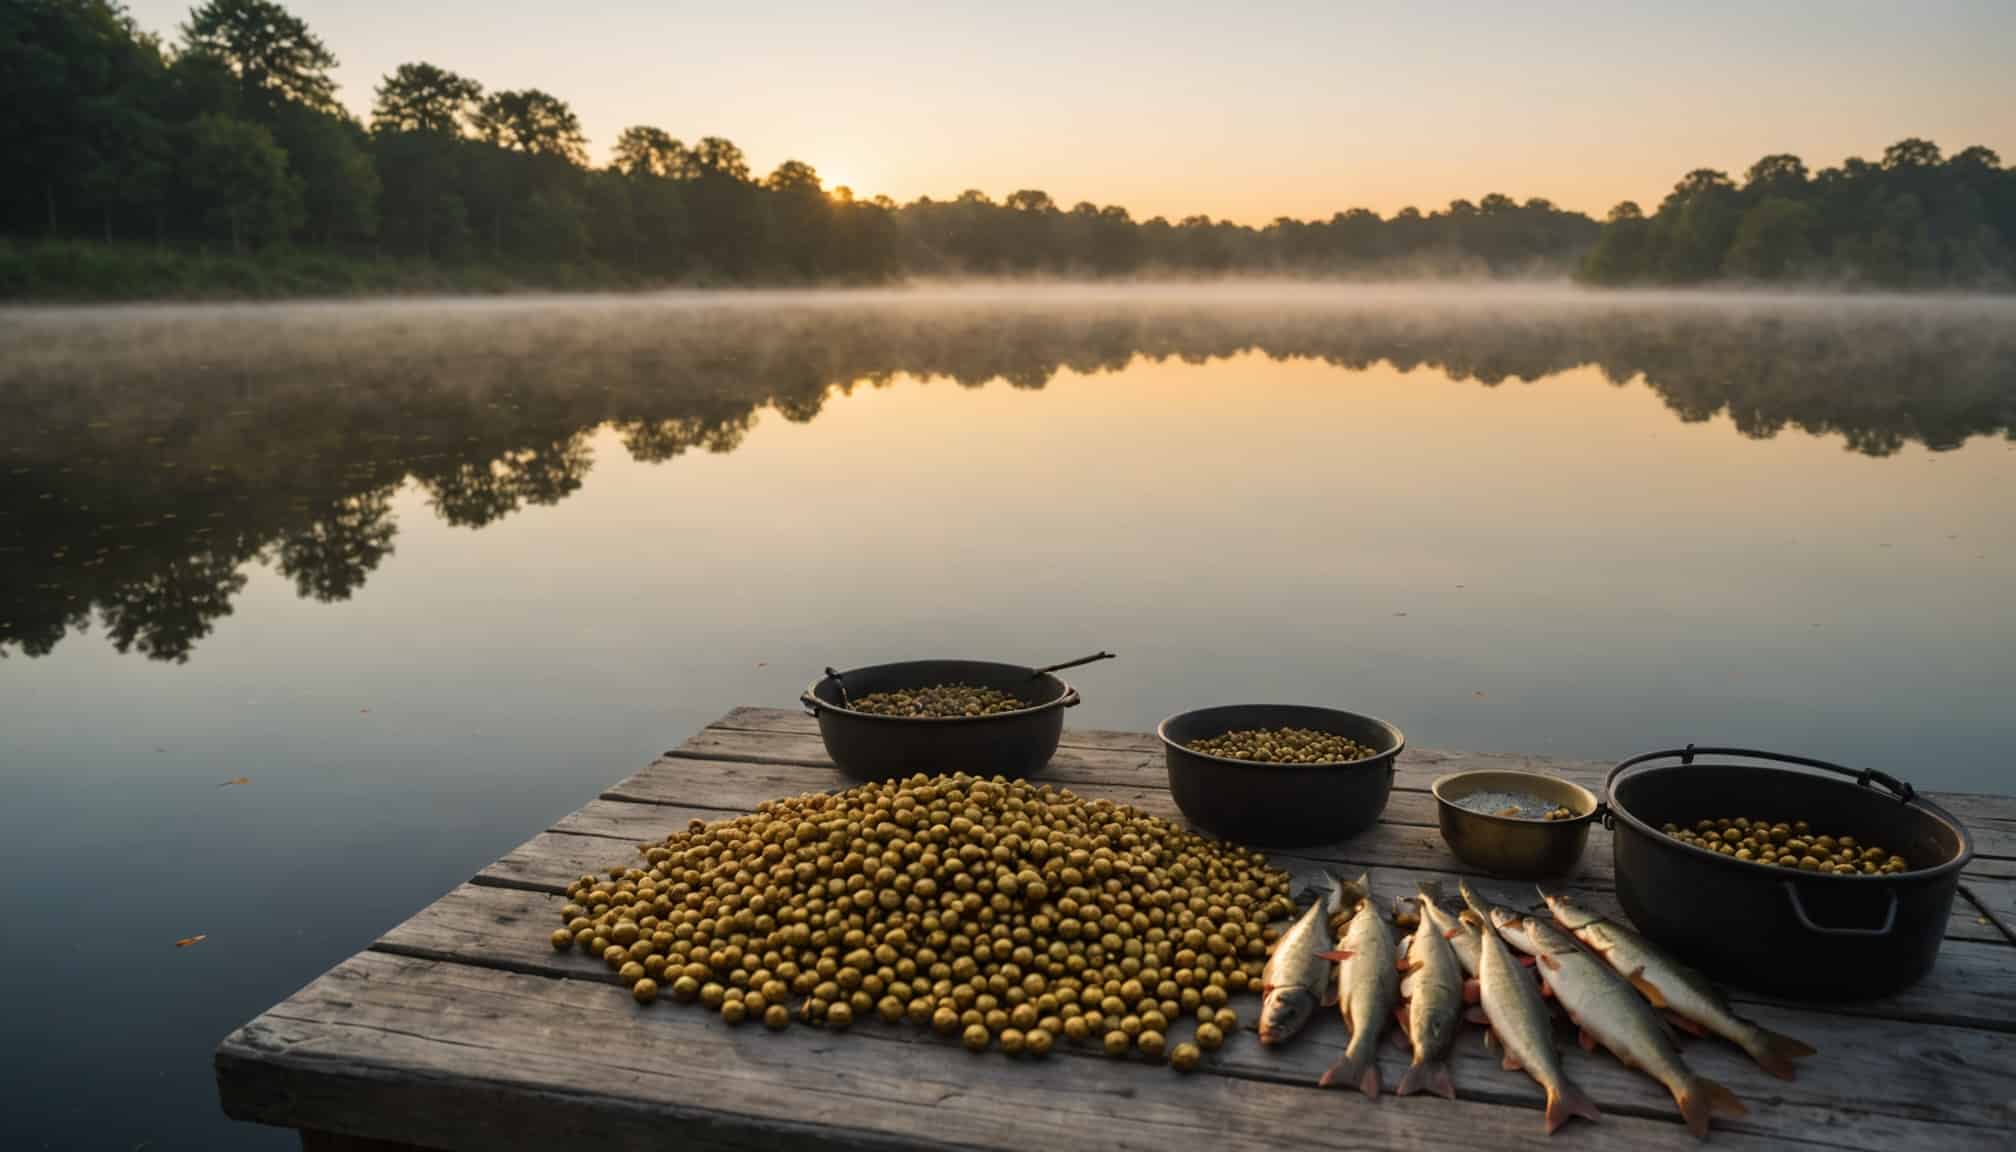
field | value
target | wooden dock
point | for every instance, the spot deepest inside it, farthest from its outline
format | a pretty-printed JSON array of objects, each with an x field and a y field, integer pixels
[{"x": 463, "y": 1029}]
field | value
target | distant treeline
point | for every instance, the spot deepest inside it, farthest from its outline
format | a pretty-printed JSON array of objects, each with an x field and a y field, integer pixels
[
  {"x": 224, "y": 165},
  {"x": 1916, "y": 219}
]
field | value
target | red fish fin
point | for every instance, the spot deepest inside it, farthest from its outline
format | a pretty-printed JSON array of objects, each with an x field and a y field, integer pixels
[
  {"x": 1546, "y": 989},
  {"x": 1647, "y": 989},
  {"x": 1337, "y": 955},
  {"x": 1525, "y": 961},
  {"x": 1349, "y": 1070},
  {"x": 1569, "y": 1101},
  {"x": 1511, "y": 1063},
  {"x": 1444, "y": 1086},
  {"x": 1684, "y": 1024},
  {"x": 1701, "y": 1099},
  {"x": 1400, "y": 1017},
  {"x": 1549, "y": 960},
  {"x": 1472, "y": 991},
  {"x": 1452, "y": 933},
  {"x": 1369, "y": 1082},
  {"x": 1587, "y": 1041},
  {"x": 1775, "y": 1053}
]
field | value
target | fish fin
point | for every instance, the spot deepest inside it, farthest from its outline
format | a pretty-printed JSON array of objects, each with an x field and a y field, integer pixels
[
  {"x": 1265, "y": 988},
  {"x": 1416, "y": 1078},
  {"x": 1774, "y": 1052},
  {"x": 1525, "y": 961},
  {"x": 1400, "y": 1018},
  {"x": 1476, "y": 1015},
  {"x": 1546, "y": 989},
  {"x": 1444, "y": 1086},
  {"x": 1369, "y": 1082},
  {"x": 1684, "y": 1024},
  {"x": 1352, "y": 1069},
  {"x": 1568, "y": 1101},
  {"x": 1472, "y": 991},
  {"x": 1647, "y": 989},
  {"x": 1511, "y": 1063},
  {"x": 1329, "y": 997},
  {"x": 1587, "y": 1041},
  {"x": 1452, "y": 933},
  {"x": 1547, "y": 958},
  {"x": 1340, "y": 954},
  {"x": 1702, "y": 1098}
]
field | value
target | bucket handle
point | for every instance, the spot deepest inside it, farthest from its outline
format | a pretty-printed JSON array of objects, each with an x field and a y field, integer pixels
[
  {"x": 1901, "y": 789},
  {"x": 1806, "y": 921}
]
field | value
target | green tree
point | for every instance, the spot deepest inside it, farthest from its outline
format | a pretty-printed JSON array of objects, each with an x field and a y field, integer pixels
[
  {"x": 1774, "y": 240},
  {"x": 339, "y": 183},
  {"x": 642, "y": 150},
  {"x": 242, "y": 178},
  {"x": 718, "y": 158},
  {"x": 1621, "y": 250},
  {"x": 421, "y": 97},
  {"x": 268, "y": 49},
  {"x": 530, "y": 121}
]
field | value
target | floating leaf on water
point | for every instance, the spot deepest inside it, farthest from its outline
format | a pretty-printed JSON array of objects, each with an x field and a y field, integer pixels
[{"x": 186, "y": 941}]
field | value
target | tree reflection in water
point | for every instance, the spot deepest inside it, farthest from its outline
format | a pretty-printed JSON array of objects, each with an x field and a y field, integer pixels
[{"x": 148, "y": 457}]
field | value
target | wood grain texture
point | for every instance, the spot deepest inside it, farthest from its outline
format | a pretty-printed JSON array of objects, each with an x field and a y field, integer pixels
[
  {"x": 463, "y": 1028},
  {"x": 1954, "y": 1072},
  {"x": 454, "y": 1056}
]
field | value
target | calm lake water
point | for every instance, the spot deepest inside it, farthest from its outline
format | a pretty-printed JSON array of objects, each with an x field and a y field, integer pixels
[{"x": 426, "y": 576}]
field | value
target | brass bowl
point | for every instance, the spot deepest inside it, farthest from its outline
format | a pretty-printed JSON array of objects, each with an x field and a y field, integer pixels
[{"x": 1512, "y": 845}]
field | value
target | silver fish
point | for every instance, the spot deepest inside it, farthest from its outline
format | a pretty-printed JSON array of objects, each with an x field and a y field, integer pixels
[
  {"x": 1368, "y": 987},
  {"x": 1610, "y": 1013},
  {"x": 1297, "y": 980},
  {"x": 1682, "y": 992},
  {"x": 1461, "y": 934},
  {"x": 1433, "y": 989},
  {"x": 1520, "y": 1021}
]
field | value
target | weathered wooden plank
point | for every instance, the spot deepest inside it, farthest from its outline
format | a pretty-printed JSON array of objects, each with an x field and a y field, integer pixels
[
  {"x": 773, "y": 736},
  {"x": 507, "y": 930},
  {"x": 454, "y": 1056}
]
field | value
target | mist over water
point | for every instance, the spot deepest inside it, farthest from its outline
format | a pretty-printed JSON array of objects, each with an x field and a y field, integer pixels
[{"x": 429, "y": 574}]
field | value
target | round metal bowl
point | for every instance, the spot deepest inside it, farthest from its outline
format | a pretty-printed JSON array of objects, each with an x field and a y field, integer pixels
[
  {"x": 1279, "y": 805},
  {"x": 870, "y": 747},
  {"x": 1513, "y": 845}
]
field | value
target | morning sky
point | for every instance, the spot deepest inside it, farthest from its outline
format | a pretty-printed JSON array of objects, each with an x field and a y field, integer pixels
[{"x": 1242, "y": 111}]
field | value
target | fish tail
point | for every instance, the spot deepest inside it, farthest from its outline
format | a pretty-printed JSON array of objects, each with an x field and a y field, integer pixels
[
  {"x": 1775, "y": 1051},
  {"x": 1333, "y": 900},
  {"x": 1355, "y": 1066},
  {"x": 1565, "y": 1100},
  {"x": 1702, "y": 1097},
  {"x": 1429, "y": 1074}
]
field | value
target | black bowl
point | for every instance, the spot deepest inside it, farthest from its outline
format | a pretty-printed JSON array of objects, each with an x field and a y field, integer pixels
[
  {"x": 1802, "y": 935},
  {"x": 866, "y": 746},
  {"x": 1279, "y": 805}
]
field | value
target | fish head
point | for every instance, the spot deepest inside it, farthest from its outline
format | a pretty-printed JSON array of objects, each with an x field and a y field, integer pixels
[
  {"x": 1283, "y": 1011},
  {"x": 1478, "y": 905},
  {"x": 1546, "y": 937},
  {"x": 1572, "y": 916}
]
